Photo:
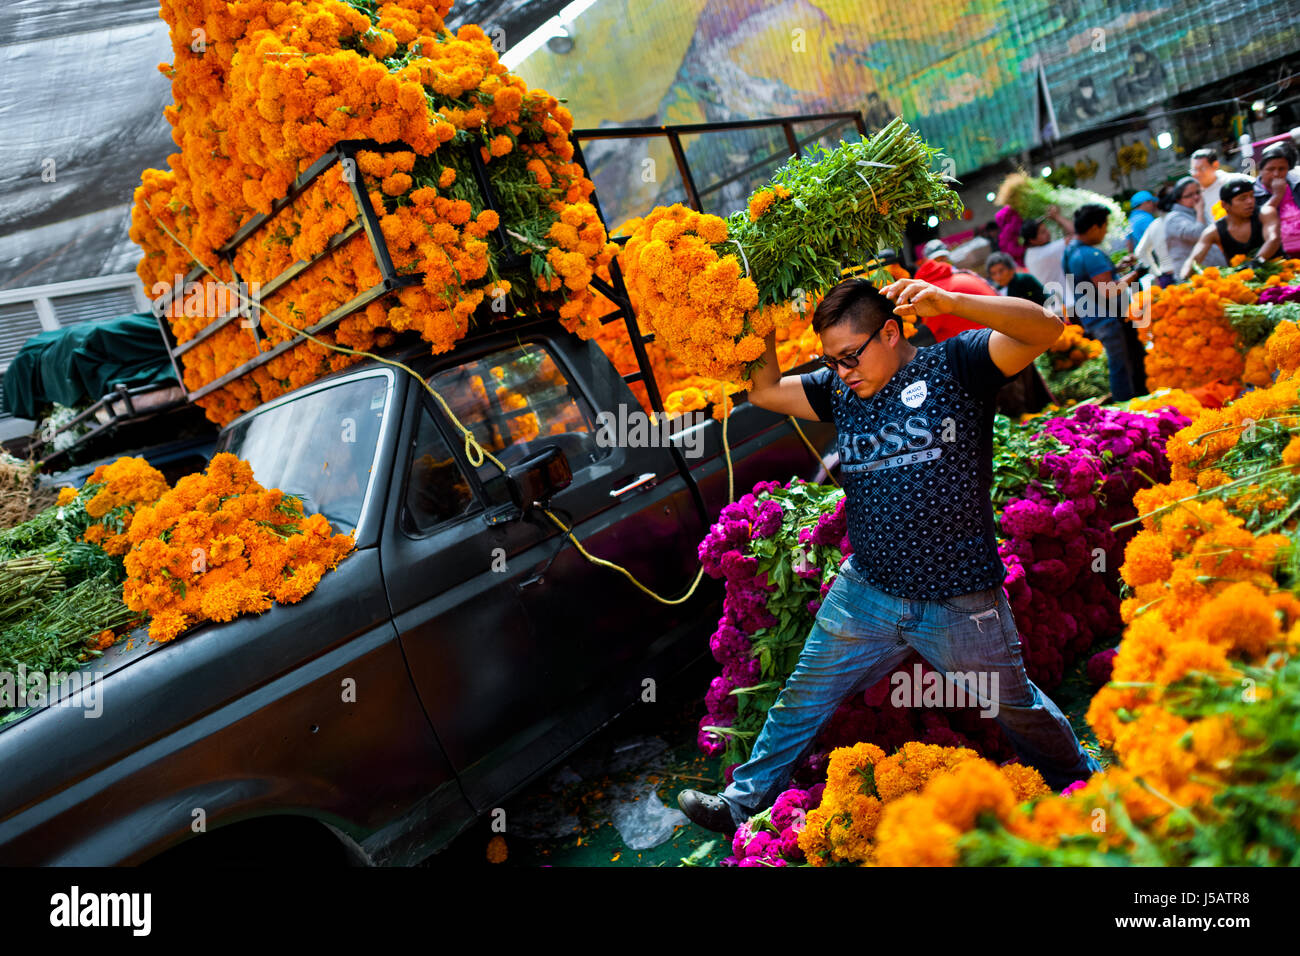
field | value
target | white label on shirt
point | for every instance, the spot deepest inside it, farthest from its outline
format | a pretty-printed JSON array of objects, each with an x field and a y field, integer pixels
[{"x": 914, "y": 394}]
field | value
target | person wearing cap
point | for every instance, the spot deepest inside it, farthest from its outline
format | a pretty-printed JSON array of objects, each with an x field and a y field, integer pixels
[
  {"x": 1142, "y": 213},
  {"x": 1244, "y": 229},
  {"x": 1185, "y": 223},
  {"x": 937, "y": 269},
  {"x": 1279, "y": 186}
]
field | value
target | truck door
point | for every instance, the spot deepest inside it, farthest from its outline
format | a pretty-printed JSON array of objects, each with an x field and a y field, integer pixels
[{"x": 519, "y": 645}]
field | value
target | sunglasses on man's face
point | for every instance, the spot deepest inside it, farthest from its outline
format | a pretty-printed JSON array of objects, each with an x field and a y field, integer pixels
[{"x": 850, "y": 360}]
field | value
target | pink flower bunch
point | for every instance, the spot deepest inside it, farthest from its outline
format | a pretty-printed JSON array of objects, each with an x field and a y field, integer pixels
[
  {"x": 749, "y": 539},
  {"x": 1279, "y": 293},
  {"x": 771, "y": 838},
  {"x": 1100, "y": 666},
  {"x": 1062, "y": 557}
]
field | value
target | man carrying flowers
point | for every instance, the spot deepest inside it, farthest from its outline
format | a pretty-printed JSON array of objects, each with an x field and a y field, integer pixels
[{"x": 916, "y": 448}]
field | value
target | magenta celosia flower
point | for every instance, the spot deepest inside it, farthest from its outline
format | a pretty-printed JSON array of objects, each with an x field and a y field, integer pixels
[
  {"x": 744, "y": 833},
  {"x": 727, "y": 642},
  {"x": 719, "y": 699},
  {"x": 741, "y": 672},
  {"x": 712, "y": 744},
  {"x": 788, "y": 807}
]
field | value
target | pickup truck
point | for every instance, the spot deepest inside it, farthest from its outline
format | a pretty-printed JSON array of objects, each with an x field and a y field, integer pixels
[{"x": 462, "y": 649}]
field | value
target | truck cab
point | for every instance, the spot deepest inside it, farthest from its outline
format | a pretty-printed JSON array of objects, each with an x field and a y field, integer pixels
[{"x": 462, "y": 649}]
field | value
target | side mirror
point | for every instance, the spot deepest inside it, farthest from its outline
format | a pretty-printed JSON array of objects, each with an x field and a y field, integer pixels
[{"x": 538, "y": 478}]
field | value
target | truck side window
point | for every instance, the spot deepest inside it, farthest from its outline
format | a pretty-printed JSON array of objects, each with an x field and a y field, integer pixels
[
  {"x": 436, "y": 489},
  {"x": 516, "y": 402}
]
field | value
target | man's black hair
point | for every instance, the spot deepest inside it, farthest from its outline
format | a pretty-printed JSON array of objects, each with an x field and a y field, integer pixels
[
  {"x": 857, "y": 302},
  {"x": 1207, "y": 153},
  {"x": 1029, "y": 230},
  {"x": 1279, "y": 150},
  {"x": 1089, "y": 215}
]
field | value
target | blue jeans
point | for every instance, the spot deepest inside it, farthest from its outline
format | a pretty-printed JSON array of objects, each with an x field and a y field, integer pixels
[
  {"x": 1124, "y": 355},
  {"x": 861, "y": 635}
]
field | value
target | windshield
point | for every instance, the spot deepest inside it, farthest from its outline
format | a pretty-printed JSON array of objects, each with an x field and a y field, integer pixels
[{"x": 320, "y": 447}]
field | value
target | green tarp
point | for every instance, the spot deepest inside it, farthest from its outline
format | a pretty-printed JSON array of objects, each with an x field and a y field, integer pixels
[{"x": 81, "y": 363}]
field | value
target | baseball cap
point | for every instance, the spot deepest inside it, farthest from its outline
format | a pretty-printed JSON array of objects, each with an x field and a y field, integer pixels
[
  {"x": 935, "y": 249},
  {"x": 1234, "y": 187},
  {"x": 1140, "y": 197}
]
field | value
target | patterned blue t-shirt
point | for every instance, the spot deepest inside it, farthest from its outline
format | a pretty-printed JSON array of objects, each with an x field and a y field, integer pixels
[{"x": 916, "y": 463}]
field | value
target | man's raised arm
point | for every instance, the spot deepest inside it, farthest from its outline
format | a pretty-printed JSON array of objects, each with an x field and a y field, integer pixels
[{"x": 779, "y": 393}]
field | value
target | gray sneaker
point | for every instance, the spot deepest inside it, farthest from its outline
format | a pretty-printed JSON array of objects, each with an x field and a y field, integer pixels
[{"x": 707, "y": 810}]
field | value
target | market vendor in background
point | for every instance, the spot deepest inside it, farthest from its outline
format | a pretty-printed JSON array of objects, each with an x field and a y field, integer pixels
[
  {"x": 1043, "y": 255},
  {"x": 1142, "y": 213},
  {"x": 1008, "y": 281},
  {"x": 1279, "y": 186},
  {"x": 1246, "y": 230},
  {"x": 1101, "y": 301},
  {"x": 1152, "y": 251},
  {"x": 1185, "y": 223},
  {"x": 1204, "y": 168},
  {"x": 925, "y": 574},
  {"x": 1027, "y": 393}
]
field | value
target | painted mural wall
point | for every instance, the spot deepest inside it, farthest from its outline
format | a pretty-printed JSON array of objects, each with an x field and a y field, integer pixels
[{"x": 965, "y": 72}]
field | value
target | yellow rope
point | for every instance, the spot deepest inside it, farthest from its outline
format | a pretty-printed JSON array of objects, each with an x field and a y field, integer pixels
[
  {"x": 475, "y": 453},
  {"x": 811, "y": 448},
  {"x": 726, "y": 448}
]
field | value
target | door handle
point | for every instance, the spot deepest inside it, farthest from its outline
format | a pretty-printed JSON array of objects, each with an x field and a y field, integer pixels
[{"x": 635, "y": 483}]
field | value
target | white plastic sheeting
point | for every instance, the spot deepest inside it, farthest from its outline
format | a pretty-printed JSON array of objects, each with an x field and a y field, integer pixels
[
  {"x": 81, "y": 104},
  {"x": 81, "y": 116}
]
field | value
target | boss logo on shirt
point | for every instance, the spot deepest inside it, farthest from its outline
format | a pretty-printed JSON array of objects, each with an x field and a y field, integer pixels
[{"x": 907, "y": 443}]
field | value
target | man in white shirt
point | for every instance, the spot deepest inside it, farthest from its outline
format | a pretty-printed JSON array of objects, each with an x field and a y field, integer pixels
[
  {"x": 1205, "y": 170},
  {"x": 1043, "y": 259}
]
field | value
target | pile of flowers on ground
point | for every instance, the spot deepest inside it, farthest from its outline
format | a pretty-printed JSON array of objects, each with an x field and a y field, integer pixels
[
  {"x": 263, "y": 89},
  {"x": 865, "y": 789},
  {"x": 219, "y": 545},
  {"x": 1192, "y": 340}
]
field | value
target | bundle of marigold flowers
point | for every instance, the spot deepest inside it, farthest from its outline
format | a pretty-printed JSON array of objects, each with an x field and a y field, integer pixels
[
  {"x": 219, "y": 545},
  {"x": 1072, "y": 349},
  {"x": 263, "y": 89},
  {"x": 712, "y": 289},
  {"x": 867, "y": 793},
  {"x": 113, "y": 494},
  {"x": 1193, "y": 341}
]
